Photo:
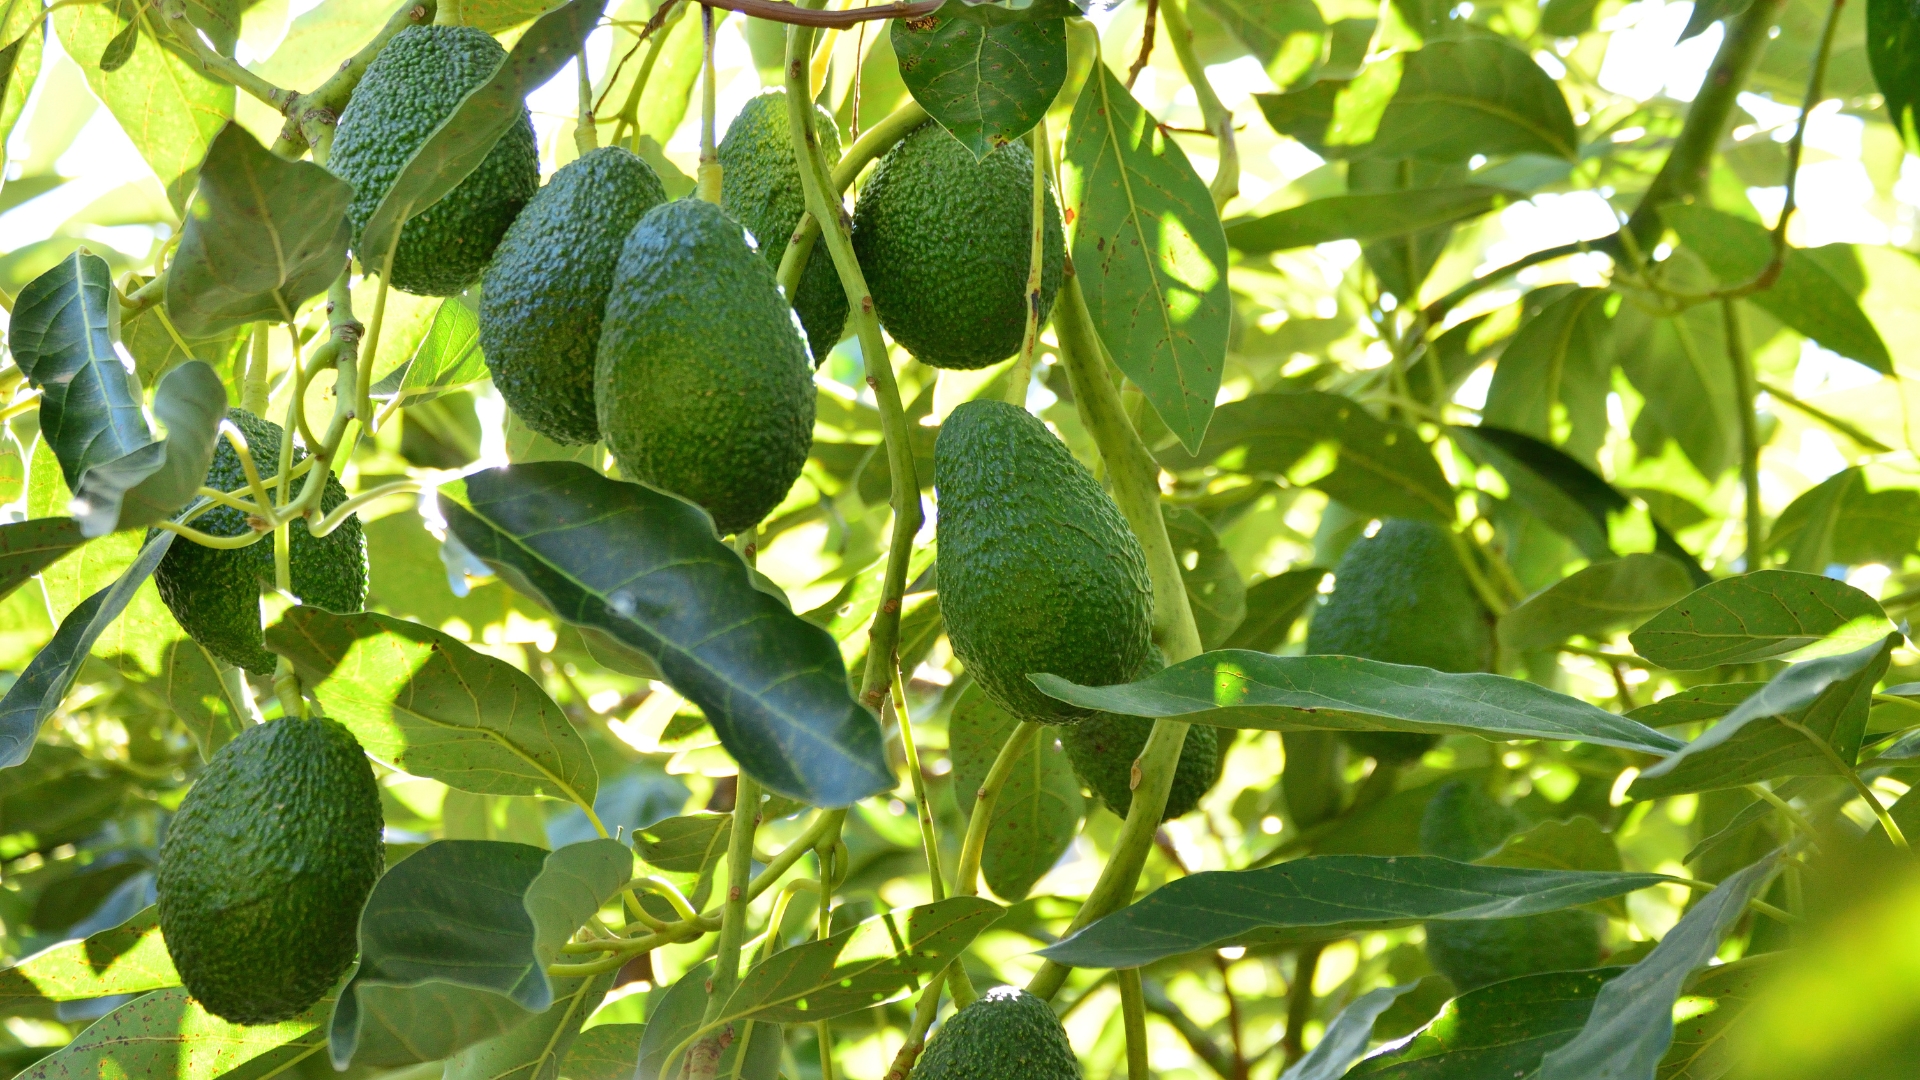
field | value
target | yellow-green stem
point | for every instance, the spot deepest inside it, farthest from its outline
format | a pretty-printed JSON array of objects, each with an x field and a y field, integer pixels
[
  {"x": 1133, "y": 1007},
  {"x": 1219, "y": 120}
]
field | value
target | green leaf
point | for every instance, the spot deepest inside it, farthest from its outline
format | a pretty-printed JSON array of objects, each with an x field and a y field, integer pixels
[
  {"x": 455, "y": 940},
  {"x": 262, "y": 236},
  {"x": 1827, "y": 697},
  {"x": 166, "y": 1034},
  {"x": 860, "y": 967},
  {"x": 1839, "y": 521},
  {"x": 534, "y": 1050},
  {"x": 1500, "y": 1030},
  {"x": 433, "y": 707},
  {"x": 1329, "y": 442},
  {"x": 1568, "y": 18},
  {"x": 1237, "y": 688},
  {"x": 1709, "y": 701},
  {"x": 28, "y": 547},
  {"x": 1806, "y": 296},
  {"x": 1631, "y": 1024},
  {"x": 464, "y": 138},
  {"x": 128, "y": 959},
  {"x": 1759, "y": 616},
  {"x": 26, "y": 44},
  {"x": 1149, "y": 254},
  {"x": 1563, "y": 356},
  {"x": 120, "y": 49},
  {"x": 1347, "y": 1037},
  {"x": 1215, "y": 589},
  {"x": 986, "y": 84},
  {"x": 1574, "y": 844},
  {"x": 190, "y": 684},
  {"x": 674, "y": 1013},
  {"x": 154, "y": 482},
  {"x": 1893, "y": 49},
  {"x": 644, "y": 568},
  {"x": 62, "y": 340},
  {"x": 604, "y": 1052},
  {"x": 1479, "y": 95},
  {"x": 1679, "y": 365},
  {"x": 1700, "y": 1049},
  {"x": 1220, "y": 907},
  {"x": 448, "y": 357},
  {"x": 1039, "y": 809},
  {"x": 494, "y": 16},
  {"x": 1602, "y": 598},
  {"x": 1365, "y": 218},
  {"x": 1273, "y": 606},
  {"x": 690, "y": 844},
  {"x": 43, "y": 685},
  {"x": 1267, "y": 27}
]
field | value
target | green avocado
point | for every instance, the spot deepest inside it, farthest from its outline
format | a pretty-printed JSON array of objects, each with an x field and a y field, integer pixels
[
  {"x": 703, "y": 384},
  {"x": 1402, "y": 597},
  {"x": 1103, "y": 747},
  {"x": 1008, "y": 1034},
  {"x": 1474, "y": 954},
  {"x": 214, "y": 593},
  {"x": 760, "y": 188},
  {"x": 1038, "y": 571},
  {"x": 945, "y": 242},
  {"x": 544, "y": 293},
  {"x": 415, "y": 83},
  {"x": 265, "y": 869}
]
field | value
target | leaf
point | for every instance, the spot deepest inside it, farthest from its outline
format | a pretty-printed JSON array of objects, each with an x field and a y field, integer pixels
[
  {"x": 128, "y": 959},
  {"x": 684, "y": 845},
  {"x": 1241, "y": 689},
  {"x": 674, "y": 1013},
  {"x": 534, "y": 1050},
  {"x": 1759, "y": 616},
  {"x": 1214, "y": 587},
  {"x": 1479, "y": 95},
  {"x": 43, "y": 685},
  {"x": 167, "y": 1034},
  {"x": 263, "y": 236},
  {"x": 1220, "y": 907},
  {"x": 26, "y": 44},
  {"x": 604, "y": 1052},
  {"x": 28, "y": 547},
  {"x": 1700, "y": 1050},
  {"x": 1574, "y": 844},
  {"x": 454, "y": 943},
  {"x": 645, "y": 568},
  {"x": 1806, "y": 296},
  {"x": 1347, "y": 1037},
  {"x": 62, "y": 339},
  {"x": 986, "y": 84},
  {"x": 1366, "y": 218},
  {"x": 191, "y": 686},
  {"x": 1893, "y": 50},
  {"x": 433, "y": 707},
  {"x": 1266, "y": 27},
  {"x": 1329, "y": 442},
  {"x": 1709, "y": 701},
  {"x": 1499, "y": 1030},
  {"x": 494, "y": 16},
  {"x": 1563, "y": 356},
  {"x": 120, "y": 49},
  {"x": 1828, "y": 697},
  {"x": 1679, "y": 366},
  {"x": 1273, "y": 606},
  {"x": 159, "y": 479},
  {"x": 464, "y": 138},
  {"x": 447, "y": 359},
  {"x": 1595, "y": 602},
  {"x": 859, "y": 967},
  {"x": 1839, "y": 521},
  {"x": 1632, "y": 1020},
  {"x": 1038, "y": 811},
  {"x": 1149, "y": 254}
]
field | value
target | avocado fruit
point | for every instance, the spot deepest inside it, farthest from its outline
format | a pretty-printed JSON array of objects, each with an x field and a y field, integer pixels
[
  {"x": 1401, "y": 596},
  {"x": 1102, "y": 749},
  {"x": 945, "y": 242},
  {"x": 1038, "y": 571},
  {"x": 413, "y": 85},
  {"x": 760, "y": 188},
  {"x": 1008, "y": 1034},
  {"x": 214, "y": 593},
  {"x": 266, "y": 866},
  {"x": 702, "y": 381},
  {"x": 1476, "y": 953},
  {"x": 544, "y": 293}
]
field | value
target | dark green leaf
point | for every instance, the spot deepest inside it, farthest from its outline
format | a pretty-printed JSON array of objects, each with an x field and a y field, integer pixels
[
  {"x": 1710, "y": 701},
  {"x": 1215, "y": 589},
  {"x": 1839, "y": 521},
  {"x": 674, "y": 1013},
  {"x": 684, "y": 845},
  {"x": 62, "y": 338},
  {"x": 1039, "y": 809},
  {"x": 645, "y": 568},
  {"x": 1496, "y": 1031},
  {"x": 535, "y": 1049},
  {"x": 28, "y": 547},
  {"x": 43, "y": 685},
  {"x": 1700, "y": 1049},
  {"x": 154, "y": 482},
  {"x": 1568, "y": 18},
  {"x": 430, "y": 705},
  {"x": 606, "y": 1052},
  {"x": 190, "y": 683},
  {"x": 1149, "y": 253},
  {"x": 1474, "y": 96},
  {"x": 1893, "y": 48},
  {"x": 120, "y": 49},
  {"x": 1631, "y": 1024},
  {"x": 1221, "y": 907},
  {"x": 1563, "y": 356},
  {"x": 466, "y": 136},
  {"x": 166, "y": 1034},
  {"x": 1605, "y": 597},
  {"x": 1347, "y": 1037},
  {"x": 128, "y": 959},
  {"x": 987, "y": 85},
  {"x": 1273, "y": 606},
  {"x": 1365, "y": 218},
  {"x": 1237, "y": 688},
  {"x": 1759, "y": 616},
  {"x": 1573, "y": 844}
]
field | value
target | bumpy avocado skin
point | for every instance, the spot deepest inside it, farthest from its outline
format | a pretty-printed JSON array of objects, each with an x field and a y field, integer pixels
[
  {"x": 1102, "y": 749},
  {"x": 215, "y": 594},
  {"x": 546, "y": 289},
  {"x": 1401, "y": 597},
  {"x": 414, "y": 84},
  {"x": 1474, "y": 954},
  {"x": 1038, "y": 570},
  {"x": 1008, "y": 1034},
  {"x": 266, "y": 867},
  {"x": 760, "y": 188},
  {"x": 703, "y": 384},
  {"x": 945, "y": 242}
]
